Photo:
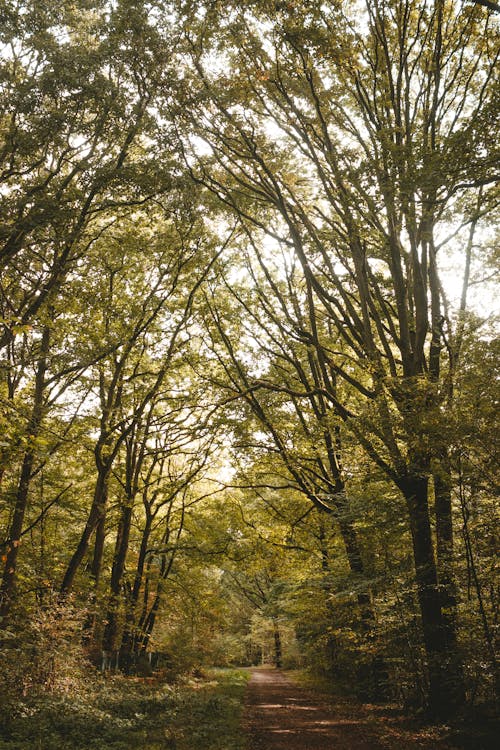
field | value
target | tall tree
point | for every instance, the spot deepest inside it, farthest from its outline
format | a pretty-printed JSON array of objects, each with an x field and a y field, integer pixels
[
  {"x": 21, "y": 497},
  {"x": 164, "y": 459},
  {"x": 337, "y": 130},
  {"x": 159, "y": 295},
  {"x": 299, "y": 422}
]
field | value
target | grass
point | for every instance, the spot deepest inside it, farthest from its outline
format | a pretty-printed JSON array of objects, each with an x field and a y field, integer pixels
[
  {"x": 121, "y": 714},
  {"x": 209, "y": 716}
]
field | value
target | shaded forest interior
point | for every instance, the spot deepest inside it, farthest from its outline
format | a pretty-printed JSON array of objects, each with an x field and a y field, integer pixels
[{"x": 248, "y": 345}]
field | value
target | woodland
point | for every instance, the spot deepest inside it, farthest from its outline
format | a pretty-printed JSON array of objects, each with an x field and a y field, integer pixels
[{"x": 248, "y": 346}]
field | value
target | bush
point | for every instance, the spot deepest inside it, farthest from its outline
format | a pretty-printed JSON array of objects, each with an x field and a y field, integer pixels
[{"x": 42, "y": 653}]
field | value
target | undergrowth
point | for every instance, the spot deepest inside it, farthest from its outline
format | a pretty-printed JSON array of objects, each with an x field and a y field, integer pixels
[{"x": 124, "y": 714}]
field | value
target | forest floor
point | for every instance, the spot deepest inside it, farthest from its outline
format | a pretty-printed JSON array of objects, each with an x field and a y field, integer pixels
[
  {"x": 119, "y": 713},
  {"x": 280, "y": 714},
  {"x": 219, "y": 709}
]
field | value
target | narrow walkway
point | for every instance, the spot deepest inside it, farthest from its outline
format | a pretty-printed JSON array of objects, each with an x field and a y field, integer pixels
[{"x": 281, "y": 715}]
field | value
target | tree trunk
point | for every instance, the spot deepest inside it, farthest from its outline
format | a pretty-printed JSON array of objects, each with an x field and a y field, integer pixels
[
  {"x": 147, "y": 622},
  {"x": 350, "y": 539},
  {"x": 444, "y": 533},
  {"x": 446, "y": 563},
  {"x": 446, "y": 688},
  {"x": 97, "y": 512},
  {"x": 121, "y": 550},
  {"x": 99, "y": 541},
  {"x": 129, "y": 637},
  {"x": 148, "y": 618},
  {"x": 277, "y": 644},
  {"x": 16, "y": 526}
]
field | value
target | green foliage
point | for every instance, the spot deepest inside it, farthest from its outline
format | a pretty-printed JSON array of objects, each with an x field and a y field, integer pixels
[
  {"x": 120, "y": 714},
  {"x": 210, "y": 717},
  {"x": 42, "y": 653}
]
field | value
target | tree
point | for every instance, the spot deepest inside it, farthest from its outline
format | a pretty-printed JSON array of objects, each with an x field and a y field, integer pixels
[
  {"x": 21, "y": 499},
  {"x": 77, "y": 85},
  {"x": 159, "y": 301},
  {"x": 360, "y": 180},
  {"x": 165, "y": 460}
]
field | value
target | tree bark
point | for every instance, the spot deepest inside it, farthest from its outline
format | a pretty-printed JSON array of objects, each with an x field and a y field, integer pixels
[
  {"x": 444, "y": 531},
  {"x": 121, "y": 550},
  {"x": 277, "y": 645},
  {"x": 128, "y": 644},
  {"x": 99, "y": 542},
  {"x": 97, "y": 511},
  {"x": 22, "y": 494},
  {"x": 446, "y": 688},
  {"x": 350, "y": 539}
]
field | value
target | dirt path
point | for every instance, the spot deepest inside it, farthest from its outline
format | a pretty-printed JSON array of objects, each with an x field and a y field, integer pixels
[{"x": 280, "y": 715}]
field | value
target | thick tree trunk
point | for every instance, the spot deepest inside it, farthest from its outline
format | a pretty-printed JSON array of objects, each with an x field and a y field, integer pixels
[
  {"x": 97, "y": 512},
  {"x": 444, "y": 533},
  {"x": 120, "y": 555},
  {"x": 446, "y": 567},
  {"x": 128, "y": 644},
  {"x": 147, "y": 622},
  {"x": 347, "y": 529},
  {"x": 446, "y": 689},
  {"x": 22, "y": 494},
  {"x": 9, "y": 574},
  {"x": 331, "y": 641},
  {"x": 372, "y": 678},
  {"x": 99, "y": 542},
  {"x": 148, "y": 618}
]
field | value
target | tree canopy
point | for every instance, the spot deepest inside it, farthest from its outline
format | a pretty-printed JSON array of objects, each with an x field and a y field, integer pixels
[{"x": 248, "y": 346}]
